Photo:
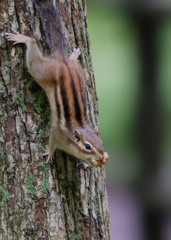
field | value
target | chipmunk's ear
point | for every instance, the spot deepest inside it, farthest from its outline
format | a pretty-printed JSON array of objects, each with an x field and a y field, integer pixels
[
  {"x": 96, "y": 130},
  {"x": 77, "y": 135}
]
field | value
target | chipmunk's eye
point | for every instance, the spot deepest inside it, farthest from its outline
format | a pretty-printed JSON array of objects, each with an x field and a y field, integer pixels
[{"x": 88, "y": 146}]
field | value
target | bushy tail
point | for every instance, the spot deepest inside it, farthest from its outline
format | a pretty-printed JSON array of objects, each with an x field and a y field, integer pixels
[{"x": 50, "y": 16}]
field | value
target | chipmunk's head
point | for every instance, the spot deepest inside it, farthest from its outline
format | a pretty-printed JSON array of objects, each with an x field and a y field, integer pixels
[{"x": 87, "y": 145}]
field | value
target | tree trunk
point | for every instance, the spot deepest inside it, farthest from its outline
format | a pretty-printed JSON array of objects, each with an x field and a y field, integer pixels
[{"x": 66, "y": 200}]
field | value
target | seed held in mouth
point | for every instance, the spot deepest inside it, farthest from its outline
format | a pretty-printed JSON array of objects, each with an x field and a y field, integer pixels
[{"x": 97, "y": 164}]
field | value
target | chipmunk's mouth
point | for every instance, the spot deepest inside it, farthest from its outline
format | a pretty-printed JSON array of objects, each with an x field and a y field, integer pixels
[{"x": 98, "y": 163}]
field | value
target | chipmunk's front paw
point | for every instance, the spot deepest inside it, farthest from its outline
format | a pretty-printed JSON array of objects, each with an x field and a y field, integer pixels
[{"x": 49, "y": 159}]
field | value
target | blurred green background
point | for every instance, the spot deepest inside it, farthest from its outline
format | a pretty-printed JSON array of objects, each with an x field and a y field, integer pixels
[
  {"x": 114, "y": 48},
  {"x": 117, "y": 63}
]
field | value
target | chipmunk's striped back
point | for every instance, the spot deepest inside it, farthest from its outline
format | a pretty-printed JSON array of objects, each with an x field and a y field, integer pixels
[{"x": 68, "y": 94}]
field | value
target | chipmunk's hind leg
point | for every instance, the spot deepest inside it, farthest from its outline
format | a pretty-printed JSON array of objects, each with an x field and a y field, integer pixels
[
  {"x": 75, "y": 54},
  {"x": 17, "y": 38}
]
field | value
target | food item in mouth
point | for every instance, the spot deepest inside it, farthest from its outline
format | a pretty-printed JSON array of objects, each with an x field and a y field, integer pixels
[{"x": 97, "y": 164}]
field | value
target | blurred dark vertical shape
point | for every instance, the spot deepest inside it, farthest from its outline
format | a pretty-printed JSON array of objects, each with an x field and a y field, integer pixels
[
  {"x": 147, "y": 16},
  {"x": 150, "y": 127},
  {"x": 149, "y": 116}
]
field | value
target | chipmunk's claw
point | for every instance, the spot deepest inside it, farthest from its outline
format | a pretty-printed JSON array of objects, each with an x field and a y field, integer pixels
[
  {"x": 14, "y": 31},
  {"x": 49, "y": 159}
]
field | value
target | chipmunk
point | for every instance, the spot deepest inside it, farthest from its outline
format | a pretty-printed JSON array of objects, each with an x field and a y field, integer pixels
[{"x": 63, "y": 82}]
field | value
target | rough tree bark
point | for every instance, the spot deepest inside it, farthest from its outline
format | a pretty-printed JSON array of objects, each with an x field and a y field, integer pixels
[{"x": 67, "y": 200}]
